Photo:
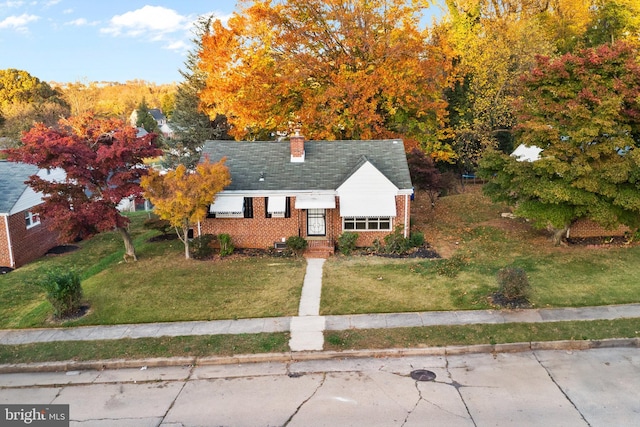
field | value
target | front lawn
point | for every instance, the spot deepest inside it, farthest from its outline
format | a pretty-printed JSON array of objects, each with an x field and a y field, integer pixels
[
  {"x": 161, "y": 286},
  {"x": 476, "y": 242}
]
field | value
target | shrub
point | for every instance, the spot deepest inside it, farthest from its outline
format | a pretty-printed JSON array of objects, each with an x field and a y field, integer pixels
[
  {"x": 513, "y": 285},
  {"x": 226, "y": 246},
  {"x": 416, "y": 239},
  {"x": 451, "y": 267},
  {"x": 202, "y": 247},
  {"x": 296, "y": 244},
  {"x": 162, "y": 225},
  {"x": 64, "y": 291},
  {"x": 347, "y": 242}
]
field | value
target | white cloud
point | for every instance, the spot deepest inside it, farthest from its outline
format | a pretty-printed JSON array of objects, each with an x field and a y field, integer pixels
[
  {"x": 18, "y": 23},
  {"x": 10, "y": 4},
  {"x": 179, "y": 46},
  {"x": 67, "y": 11},
  {"x": 150, "y": 21},
  {"x": 81, "y": 22},
  {"x": 51, "y": 3}
]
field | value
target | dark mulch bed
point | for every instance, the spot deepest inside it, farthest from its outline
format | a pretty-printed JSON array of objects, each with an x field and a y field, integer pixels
[
  {"x": 498, "y": 299},
  {"x": 82, "y": 311},
  {"x": 62, "y": 249},
  {"x": 163, "y": 237},
  {"x": 5, "y": 270},
  {"x": 421, "y": 252},
  {"x": 599, "y": 241}
]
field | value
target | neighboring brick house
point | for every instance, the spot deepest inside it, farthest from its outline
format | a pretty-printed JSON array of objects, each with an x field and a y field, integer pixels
[
  {"x": 313, "y": 189},
  {"x": 24, "y": 237}
]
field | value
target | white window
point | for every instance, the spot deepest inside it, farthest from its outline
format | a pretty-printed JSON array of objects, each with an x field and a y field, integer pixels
[
  {"x": 362, "y": 223},
  {"x": 31, "y": 219}
]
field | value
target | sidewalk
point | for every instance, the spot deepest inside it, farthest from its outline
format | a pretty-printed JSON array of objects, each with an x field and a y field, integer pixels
[
  {"x": 307, "y": 328},
  {"x": 332, "y": 323}
]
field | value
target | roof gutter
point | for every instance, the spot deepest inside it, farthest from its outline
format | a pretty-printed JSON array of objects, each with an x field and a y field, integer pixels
[{"x": 12, "y": 261}]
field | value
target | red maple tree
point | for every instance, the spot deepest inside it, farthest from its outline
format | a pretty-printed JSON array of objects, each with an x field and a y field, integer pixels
[{"x": 103, "y": 162}]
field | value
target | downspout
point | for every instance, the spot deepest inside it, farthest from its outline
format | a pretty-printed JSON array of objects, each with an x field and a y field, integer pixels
[
  {"x": 6, "y": 226},
  {"x": 406, "y": 216},
  {"x": 199, "y": 230}
]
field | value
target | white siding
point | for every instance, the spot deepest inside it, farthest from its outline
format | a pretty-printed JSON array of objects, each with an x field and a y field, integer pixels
[{"x": 367, "y": 193}]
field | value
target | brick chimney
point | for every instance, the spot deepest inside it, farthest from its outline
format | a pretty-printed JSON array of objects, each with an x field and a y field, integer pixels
[{"x": 297, "y": 147}]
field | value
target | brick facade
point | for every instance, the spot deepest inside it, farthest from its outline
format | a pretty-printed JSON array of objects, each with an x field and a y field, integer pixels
[
  {"x": 584, "y": 228},
  {"x": 27, "y": 244},
  {"x": 260, "y": 232}
]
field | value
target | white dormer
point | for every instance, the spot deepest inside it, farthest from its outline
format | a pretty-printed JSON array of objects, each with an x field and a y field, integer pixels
[{"x": 367, "y": 192}]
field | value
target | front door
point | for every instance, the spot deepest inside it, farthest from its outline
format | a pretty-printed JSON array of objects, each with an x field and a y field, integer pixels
[{"x": 316, "y": 222}]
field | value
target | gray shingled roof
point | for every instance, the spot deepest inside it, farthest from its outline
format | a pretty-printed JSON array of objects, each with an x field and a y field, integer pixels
[
  {"x": 327, "y": 164},
  {"x": 12, "y": 178}
]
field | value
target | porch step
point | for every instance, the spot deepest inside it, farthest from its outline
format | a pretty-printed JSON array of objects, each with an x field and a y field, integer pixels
[{"x": 319, "y": 249}]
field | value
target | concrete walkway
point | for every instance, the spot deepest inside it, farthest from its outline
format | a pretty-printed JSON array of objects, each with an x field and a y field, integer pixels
[
  {"x": 332, "y": 323},
  {"x": 307, "y": 328}
]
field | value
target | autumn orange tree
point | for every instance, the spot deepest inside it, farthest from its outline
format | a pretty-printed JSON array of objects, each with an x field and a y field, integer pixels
[
  {"x": 182, "y": 196},
  {"x": 342, "y": 69}
]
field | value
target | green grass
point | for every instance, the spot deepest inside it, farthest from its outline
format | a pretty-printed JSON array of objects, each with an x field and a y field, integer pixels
[
  {"x": 212, "y": 345},
  {"x": 465, "y": 228},
  {"x": 439, "y": 336},
  {"x": 560, "y": 276},
  {"x": 161, "y": 286}
]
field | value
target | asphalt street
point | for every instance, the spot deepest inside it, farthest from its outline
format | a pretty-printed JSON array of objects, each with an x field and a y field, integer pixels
[{"x": 598, "y": 387}]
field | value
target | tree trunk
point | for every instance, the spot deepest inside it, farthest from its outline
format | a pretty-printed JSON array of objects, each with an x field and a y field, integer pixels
[
  {"x": 184, "y": 237},
  {"x": 185, "y": 230},
  {"x": 558, "y": 234},
  {"x": 129, "y": 250}
]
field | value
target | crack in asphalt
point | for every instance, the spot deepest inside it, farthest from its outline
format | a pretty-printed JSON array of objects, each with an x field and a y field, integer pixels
[
  {"x": 406, "y": 419},
  {"x": 324, "y": 377},
  {"x": 185, "y": 381},
  {"x": 552, "y": 378},
  {"x": 455, "y": 384}
]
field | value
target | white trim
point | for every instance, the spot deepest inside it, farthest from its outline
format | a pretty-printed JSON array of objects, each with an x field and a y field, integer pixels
[
  {"x": 29, "y": 216},
  {"x": 314, "y": 201},
  {"x": 366, "y": 220},
  {"x": 12, "y": 261},
  {"x": 406, "y": 216}
]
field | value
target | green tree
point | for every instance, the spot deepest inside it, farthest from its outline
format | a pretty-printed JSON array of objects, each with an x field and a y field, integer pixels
[
  {"x": 191, "y": 125},
  {"x": 583, "y": 111},
  {"x": 144, "y": 119},
  {"x": 495, "y": 42},
  {"x": 613, "y": 20}
]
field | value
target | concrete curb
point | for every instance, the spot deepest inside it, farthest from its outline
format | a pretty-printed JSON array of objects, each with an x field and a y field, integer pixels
[{"x": 290, "y": 357}]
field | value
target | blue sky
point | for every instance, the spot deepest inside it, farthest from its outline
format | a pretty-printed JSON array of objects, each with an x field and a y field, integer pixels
[{"x": 102, "y": 40}]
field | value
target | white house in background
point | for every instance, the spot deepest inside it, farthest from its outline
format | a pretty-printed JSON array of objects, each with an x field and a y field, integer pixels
[
  {"x": 525, "y": 153},
  {"x": 160, "y": 119}
]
